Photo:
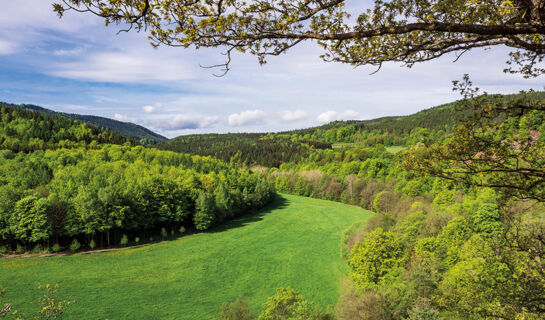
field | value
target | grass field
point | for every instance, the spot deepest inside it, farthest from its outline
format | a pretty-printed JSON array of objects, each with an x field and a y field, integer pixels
[{"x": 295, "y": 242}]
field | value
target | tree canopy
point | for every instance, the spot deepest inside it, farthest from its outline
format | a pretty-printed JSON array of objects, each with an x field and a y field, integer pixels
[{"x": 407, "y": 31}]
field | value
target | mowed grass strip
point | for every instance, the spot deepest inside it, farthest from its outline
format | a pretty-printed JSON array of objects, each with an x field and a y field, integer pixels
[{"x": 294, "y": 242}]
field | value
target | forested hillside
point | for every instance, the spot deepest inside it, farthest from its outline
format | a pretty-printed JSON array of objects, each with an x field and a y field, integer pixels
[
  {"x": 247, "y": 148},
  {"x": 25, "y": 130},
  {"x": 126, "y": 129},
  {"x": 63, "y": 181}
]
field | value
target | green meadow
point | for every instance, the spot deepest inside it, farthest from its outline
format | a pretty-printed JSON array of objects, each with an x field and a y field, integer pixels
[{"x": 293, "y": 242}]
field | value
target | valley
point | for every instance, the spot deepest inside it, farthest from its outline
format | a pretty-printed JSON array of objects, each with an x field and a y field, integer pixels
[{"x": 295, "y": 242}]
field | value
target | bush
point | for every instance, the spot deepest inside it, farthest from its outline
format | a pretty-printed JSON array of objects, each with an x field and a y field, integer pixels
[
  {"x": 92, "y": 244},
  {"x": 289, "y": 304},
  {"x": 164, "y": 233},
  {"x": 124, "y": 240},
  {"x": 75, "y": 245},
  {"x": 37, "y": 249},
  {"x": 19, "y": 249},
  {"x": 236, "y": 310},
  {"x": 136, "y": 239},
  {"x": 3, "y": 249},
  {"x": 182, "y": 229},
  {"x": 56, "y": 247}
]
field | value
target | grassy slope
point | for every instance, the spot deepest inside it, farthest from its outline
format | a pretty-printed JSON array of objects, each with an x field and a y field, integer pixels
[{"x": 295, "y": 242}]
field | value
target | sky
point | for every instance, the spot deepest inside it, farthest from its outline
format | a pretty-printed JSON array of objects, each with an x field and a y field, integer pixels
[{"x": 77, "y": 65}]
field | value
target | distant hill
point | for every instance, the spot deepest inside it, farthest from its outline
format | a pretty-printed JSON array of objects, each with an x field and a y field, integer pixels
[
  {"x": 127, "y": 129},
  {"x": 249, "y": 148},
  {"x": 26, "y": 130}
]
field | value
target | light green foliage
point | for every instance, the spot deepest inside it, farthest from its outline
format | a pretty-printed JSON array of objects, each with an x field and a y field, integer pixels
[
  {"x": 51, "y": 307},
  {"x": 288, "y": 304},
  {"x": 452, "y": 237},
  {"x": 164, "y": 233},
  {"x": 114, "y": 190},
  {"x": 75, "y": 245},
  {"x": 31, "y": 223},
  {"x": 56, "y": 247},
  {"x": 376, "y": 255},
  {"x": 188, "y": 278},
  {"x": 397, "y": 30},
  {"x": 92, "y": 244},
  {"x": 124, "y": 240},
  {"x": 206, "y": 211},
  {"x": 483, "y": 212},
  {"x": 236, "y": 310},
  {"x": 413, "y": 188}
]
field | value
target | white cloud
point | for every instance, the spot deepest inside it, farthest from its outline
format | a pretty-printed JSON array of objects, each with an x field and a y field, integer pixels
[
  {"x": 120, "y": 117},
  {"x": 247, "y": 117},
  {"x": 293, "y": 116},
  {"x": 150, "y": 109},
  {"x": 6, "y": 47},
  {"x": 68, "y": 52},
  {"x": 124, "y": 67},
  {"x": 185, "y": 122},
  {"x": 332, "y": 115}
]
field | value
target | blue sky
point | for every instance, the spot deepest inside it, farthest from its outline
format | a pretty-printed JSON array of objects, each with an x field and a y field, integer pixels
[{"x": 78, "y": 65}]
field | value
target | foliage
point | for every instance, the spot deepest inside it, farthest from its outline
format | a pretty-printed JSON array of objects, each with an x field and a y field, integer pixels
[
  {"x": 129, "y": 130},
  {"x": 250, "y": 149},
  {"x": 373, "y": 258},
  {"x": 75, "y": 245},
  {"x": 26, "y": 130},
  {"x": 236, "y": 310},
  {"x": 399, "y": 30},
  {"x": 101, "y": 194},
  {"x": 288, "y": 304}
]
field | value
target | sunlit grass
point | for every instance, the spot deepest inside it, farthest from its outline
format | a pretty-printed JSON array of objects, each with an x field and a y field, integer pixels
[{"x": 295, "y": 242}]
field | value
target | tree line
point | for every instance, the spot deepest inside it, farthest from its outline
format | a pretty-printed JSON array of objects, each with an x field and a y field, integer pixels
[{"x": 97, "y": 196}]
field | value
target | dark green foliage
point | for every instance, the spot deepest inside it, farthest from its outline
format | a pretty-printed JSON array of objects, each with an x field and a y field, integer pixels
[
  {"x": 126, "y": 129},
  {"x": 26, "y": 130},
  {"x": 248, "y": 148}
]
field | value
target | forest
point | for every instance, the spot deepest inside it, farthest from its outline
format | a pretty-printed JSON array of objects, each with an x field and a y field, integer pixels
[{"x": 64, "y": 182}]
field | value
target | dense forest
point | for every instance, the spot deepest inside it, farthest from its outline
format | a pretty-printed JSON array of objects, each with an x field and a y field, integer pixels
[
  {"x": 64, "y": 181},
  {"x": 437, "y": 248},
  {"x": 126, "y": 129},
  {"x": 245, "y": 148}
]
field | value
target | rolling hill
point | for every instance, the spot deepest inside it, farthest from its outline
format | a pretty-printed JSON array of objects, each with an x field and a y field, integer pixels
[{"x": 127, "y": 129}]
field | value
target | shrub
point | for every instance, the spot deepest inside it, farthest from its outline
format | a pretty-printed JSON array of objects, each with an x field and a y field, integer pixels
[
  {"x": 56, "y": 247},
  {"x": 75, "y": 245},
  {"x": 136, "y": 239},
  {"x": 182, "y": 229},
  {"x": 37, "y": 249},
  {"x": 172, "y": 233},
  {"x": 124, "y": 240},
  {"x": 164, "y": 233},
  {"x": 19, "y": 249},
  {"x": 289, "y": 304},
  {"x": 236, "y": 310},
  {"x": 92, "y": 244},
  {"x": 3, "y": 249}
]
